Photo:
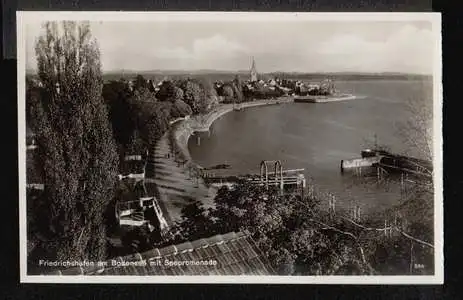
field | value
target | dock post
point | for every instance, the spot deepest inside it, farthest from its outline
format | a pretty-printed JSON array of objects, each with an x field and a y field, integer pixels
[
  {"x": 330, "y": 207},
  {"x": 405, "y": 184},
  {"x": 411, "y": 257},
  {"x": 334, "y": 204},
  {"x": 402, "y": 185},
  {"x": 385, "y": 227},
  {"x": 198, "y": 140}
]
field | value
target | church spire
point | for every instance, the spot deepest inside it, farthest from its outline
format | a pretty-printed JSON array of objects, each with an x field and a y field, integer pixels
[{"x": 253, "y": 71}]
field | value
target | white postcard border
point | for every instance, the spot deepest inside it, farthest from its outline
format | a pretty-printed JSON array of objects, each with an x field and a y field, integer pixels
[{"x": 23, "y": 17}]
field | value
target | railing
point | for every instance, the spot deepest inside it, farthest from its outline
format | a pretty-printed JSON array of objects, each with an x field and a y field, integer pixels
[
  {"x": 131, "y": 212},
  {"x": 426, "y": 172}
]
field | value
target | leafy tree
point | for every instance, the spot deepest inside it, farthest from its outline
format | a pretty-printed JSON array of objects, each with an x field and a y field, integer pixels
[
  {"x": 195, "y": 222},
  {"x": 228, "y": 93},
  {"x": 117, "y": 95},
  {"x": 210, "y": 94},
  {"x": 247, "y": 92},
  {"x": 76, "y": 148},
  {"x": 140, "y": 83},
  {"x": 193, "y": 95},
  {"x": 144, "y": 95},
  {"x": 137, "y": 240},
  {"x": 136, "y": 144},
  {"x": 151, "y": 117},
  {"x": 416, "y": 131},
  {"x": 282, "y": 228},
  {"x": 168, "y": 91},
  {"x": 199, "y": 94},
  {"x": 180, "y": 109},
  {"x": 33, "y": 94},
  {"x": 178, "y": 95},
  {"x": 156, "y": 121},
  {"x": 238, "y": 89}
]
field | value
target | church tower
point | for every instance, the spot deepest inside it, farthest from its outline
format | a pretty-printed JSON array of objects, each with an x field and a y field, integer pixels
[{"x": 253, "y": 71}]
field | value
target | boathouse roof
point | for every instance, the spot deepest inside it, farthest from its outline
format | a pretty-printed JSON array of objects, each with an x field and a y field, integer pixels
[{"x": 235, "y": 253}]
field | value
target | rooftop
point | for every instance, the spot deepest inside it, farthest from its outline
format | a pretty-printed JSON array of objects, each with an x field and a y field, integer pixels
[{"x": 234, "y": 253}]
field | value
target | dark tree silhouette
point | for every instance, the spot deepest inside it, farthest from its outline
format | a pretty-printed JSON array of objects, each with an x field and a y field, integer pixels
[
  {"x": 76, "y": 148},
  {"x": 117, "y": 95},
  {"x": 195, "y": 223},
  {"x": 168, "y": 91},
  {"x": 140, "y": 83}
]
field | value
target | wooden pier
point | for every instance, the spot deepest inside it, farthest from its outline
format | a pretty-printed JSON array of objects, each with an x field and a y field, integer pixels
[
  {"x": 392, "y": 163},
  {"x": 279, "y": 177}
]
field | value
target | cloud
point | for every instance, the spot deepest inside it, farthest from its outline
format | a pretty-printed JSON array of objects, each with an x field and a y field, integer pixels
[
  {"x": 348, "y": 44},
  {"x": 409, "y": 48},
  {"x": 308, "y": 47},
  {"x": 204, "y": 48}
]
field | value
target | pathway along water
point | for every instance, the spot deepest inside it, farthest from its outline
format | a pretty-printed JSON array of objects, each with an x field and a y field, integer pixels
[
  {"x": 317, "y": 137},
  {"x": 175, "y": 178}
]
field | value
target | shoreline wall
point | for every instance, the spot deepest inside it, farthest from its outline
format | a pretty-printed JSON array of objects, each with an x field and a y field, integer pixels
[
  {"x": 182, "y": 130},
  {"x": 325, "y": 99}
]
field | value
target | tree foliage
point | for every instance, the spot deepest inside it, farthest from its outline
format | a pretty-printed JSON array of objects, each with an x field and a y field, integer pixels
[
  {"x": 417, "y": 130},
  {"x": 281, "y": 226},
  {"x": 194, "y": 95},
  {"x": 210, "y": 94},
  {"x": 140, "y": 83},
  {"x": 195, "y": 221},
  {"x": 237, "y": 89},
  {"x": 168, "y": 92},
  {"x": 33, "y": 95},
  {"x": 76, "y": 148},
  {"x": 117, "y": 96},
  {"x": 228, "y": 93},
  {"x": 180, "y": 109}
]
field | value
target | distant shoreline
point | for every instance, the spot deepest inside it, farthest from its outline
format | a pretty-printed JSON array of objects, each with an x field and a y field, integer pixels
[{"x": 223, "y": 75}]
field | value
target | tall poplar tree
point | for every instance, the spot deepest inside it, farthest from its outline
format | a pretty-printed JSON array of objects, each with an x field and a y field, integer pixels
[{"x": 75, "y": 143}]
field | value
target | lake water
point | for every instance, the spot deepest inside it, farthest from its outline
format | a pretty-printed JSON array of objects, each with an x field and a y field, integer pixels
[{"x": 318, "y": 136}]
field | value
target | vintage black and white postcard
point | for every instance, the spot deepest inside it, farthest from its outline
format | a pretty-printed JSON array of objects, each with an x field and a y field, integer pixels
[{"x": 187, "y": 147}]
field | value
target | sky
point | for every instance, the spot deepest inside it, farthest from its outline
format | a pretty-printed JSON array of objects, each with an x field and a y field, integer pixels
[{"x": 306, "y": 46}]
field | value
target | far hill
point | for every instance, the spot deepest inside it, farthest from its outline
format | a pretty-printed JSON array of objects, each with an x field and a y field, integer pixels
[{"x": 244, "y": 74}]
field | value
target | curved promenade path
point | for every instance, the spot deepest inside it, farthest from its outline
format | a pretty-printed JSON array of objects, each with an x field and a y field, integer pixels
[{"x": 174, "y": 170}]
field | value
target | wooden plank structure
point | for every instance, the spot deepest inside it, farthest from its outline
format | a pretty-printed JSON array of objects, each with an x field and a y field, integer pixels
[
  {"x": 404, "y": 164},
  {"x": 136, "y": 212},
  {"x": 387, "y": 162},
  {"x": 279, "y": 177}
]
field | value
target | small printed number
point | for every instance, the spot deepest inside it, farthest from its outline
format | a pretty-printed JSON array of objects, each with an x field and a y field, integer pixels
[{"x": 419, "y": 266}]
